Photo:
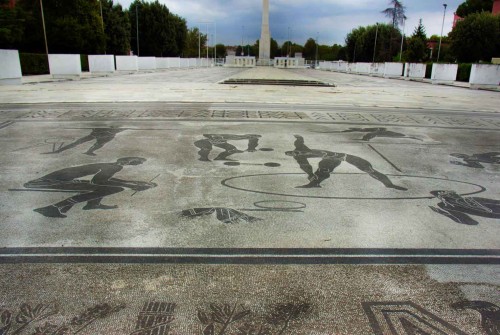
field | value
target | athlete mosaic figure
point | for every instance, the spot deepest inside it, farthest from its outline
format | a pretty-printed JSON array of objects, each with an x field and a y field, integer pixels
[
  {"x": 475, "y": 160},
  {"x": 329, "y": 161},
  {"x": 221, "y": 141},
  {"x": 378, "y": 132},
  {"x": 101, "y": 136},
  {"x": 460, "y": 209},
  {"x": 101, "y": 185}
]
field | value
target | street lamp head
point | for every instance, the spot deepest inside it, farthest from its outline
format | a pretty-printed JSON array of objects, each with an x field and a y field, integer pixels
[{"x": 445, "y": 5}]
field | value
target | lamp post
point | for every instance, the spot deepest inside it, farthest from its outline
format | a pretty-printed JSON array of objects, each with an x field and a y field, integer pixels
[
  {"x": 44, "y": 30},
  {"x": 102, "y": 25},
  {"x": 442, "y": 27},
  {"x": 402, "y": 39},
  {"x": 375, "y": 47},
  {"x": 137, "y": 26},
  {"x": 317, "y": 40}
]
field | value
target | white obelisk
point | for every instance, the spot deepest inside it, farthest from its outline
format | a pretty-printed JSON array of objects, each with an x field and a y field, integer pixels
[{"x": 265, "y": 35}]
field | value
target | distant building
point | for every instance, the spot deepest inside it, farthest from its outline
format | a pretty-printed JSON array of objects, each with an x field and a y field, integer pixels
[
  {"x": 456, "y": 18},
  {"x": 496, "y": 7}
]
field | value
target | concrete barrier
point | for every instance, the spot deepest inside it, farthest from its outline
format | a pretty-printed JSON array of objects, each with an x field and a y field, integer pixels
[
  {"x": 10, "y": 68},
  {"x": 484, "y": 75},
  {"x": 393, "y": 70},
  {"x": 161, "y": 63},
  {"x": 101, "y": 63},
  {"x": 444, "y": 72},
  {"x": 377, "y": 69},
  {"x": 127, "y": 63},
  {"x": 147, "y": 63},
  {"x": 350, "y": 67},
  {"x": 415, "y": 71},
  {"x": 342, "y": 67},
  {"x": 65, "y": 66},
  {"x": 363, "y": 68},
  {"x": 174, "y": 62},
  {"x": 184, "y": 63}
]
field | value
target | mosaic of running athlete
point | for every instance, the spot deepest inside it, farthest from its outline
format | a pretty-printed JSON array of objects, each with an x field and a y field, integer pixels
[
  {"x": 475, "y": 160},
  {"x": 225, "y": 215},
  {"x": 378, "y": 132},
  {"x": 101, "y": 136},
  {"x": 329, "y": 161},
  {"x": 221, "y": 141},
  {"x": 101, "y": 185},
  {"x": 460, "y": 208}
]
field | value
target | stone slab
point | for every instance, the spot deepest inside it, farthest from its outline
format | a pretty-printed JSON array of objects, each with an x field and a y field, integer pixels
[
  {"x": 65, "y": 66},
  {"x": 393, "y": 70},
  {"x": 10, "y": 68},
  {"x": 101, "y": 63},
  {"x": 444, "y": 72},
  {"x": 127, "y": 63},
  {"x": 485, "y": 75},
  {"x": 415, "y": 70},
  {"x": 146, "y": 63}
]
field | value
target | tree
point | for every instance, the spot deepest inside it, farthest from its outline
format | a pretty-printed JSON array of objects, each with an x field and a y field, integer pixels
[
  {"x": 194, "y": 42},
  {"x": 396, "y": 12},
  {"x": 476, "y": 37},
  {"x": 161, "y": 33},
  {"x": 360, "y": 43},
  {"x": 116, "y": 28},
  {"x": 416, "y": 45},
  {"x": 474, "y": 6},
  {"x": 221, "y": 50},
  {"x": 310, "y": 49},
  {"x": 11, "y": 27},
  {"x": 275, "y": 52}
]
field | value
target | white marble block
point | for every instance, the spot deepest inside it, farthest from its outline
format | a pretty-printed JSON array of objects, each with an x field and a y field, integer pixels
[
  {"x": 101, "y": 63},
  {"x": 65, "y": 66},
  {"x": 127, "y": 63},
  {"x": 377, "y": 69},
  {"x": 393, "y": 70},
  {"x": 363, "y": 68},
  {"x": 415, "y": 70},
  {"x": 10, "y": 67},
  {"x": 444, "y": 72},
  {"x": 174, "y": 62},
  {"x": 147, "y": 63},
  {"x": 161, "y": 63},
  {"x": 184, "y": 62},
  {"x": 484, "y": 75}
]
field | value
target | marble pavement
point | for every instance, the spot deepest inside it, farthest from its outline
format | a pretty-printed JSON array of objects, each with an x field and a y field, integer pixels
[{"x": 169, "y": 203}]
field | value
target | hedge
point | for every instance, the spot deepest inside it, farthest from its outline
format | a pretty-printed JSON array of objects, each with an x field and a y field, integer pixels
[
  {"x": 34, "y": 63},
  {"x": 464, "y": 71}
]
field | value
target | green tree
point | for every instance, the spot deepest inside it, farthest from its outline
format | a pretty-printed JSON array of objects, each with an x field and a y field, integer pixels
[
  {"x": 360, "y": 43},
  {"x": 396, "y": 12},
  {"x": 11, "y": 27},
  {"x": 476, "y": 37},
  {"x": 275, "y": 49},
  {"x": 116, "y": 28},
  {"x": 474, "y": 6},
  {"x": 72, "y": 26},
  {"x": 161, "y": 33},
  {"x": 194, "y": 42},
  {"x": 416, "y": 45},
  {"x": 420, "y": 31},
  {"x": 221, "y": 50},
  {"x": 310, "y": 49}
]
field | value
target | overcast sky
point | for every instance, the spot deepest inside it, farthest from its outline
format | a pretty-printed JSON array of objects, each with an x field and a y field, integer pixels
[{"x": 331, "y": 20}]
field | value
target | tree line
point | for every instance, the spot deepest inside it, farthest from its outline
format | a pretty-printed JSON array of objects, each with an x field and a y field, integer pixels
[
  {"x": 93, "y": 27},
  {"x": 97, "y": 27}
]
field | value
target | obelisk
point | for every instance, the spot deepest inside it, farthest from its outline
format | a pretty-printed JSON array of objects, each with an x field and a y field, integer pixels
[{"x": 265, "y": 35}]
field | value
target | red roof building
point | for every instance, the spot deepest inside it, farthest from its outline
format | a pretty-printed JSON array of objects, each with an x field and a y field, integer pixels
[{"x": 496, "y": 7}]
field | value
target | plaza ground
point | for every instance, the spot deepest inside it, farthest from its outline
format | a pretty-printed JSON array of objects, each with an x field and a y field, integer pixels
[{"x": 370, "y": 206}]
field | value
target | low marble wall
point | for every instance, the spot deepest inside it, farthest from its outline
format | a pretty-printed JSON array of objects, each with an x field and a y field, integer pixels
[
  {"x": 363, "y": 68},
  {"x": 173, "y": 62},
  {"x": 184, "y": 63},
  {"x": 377, "y": 69},
  {"x": 237, "y": 61},
  {"x": 147, "y": 63},
  {"x": 65, "y": 66},
  {"x": 10, "y": 67},
  {"x": 161, "y": 63},
  {"x": 127, "y": 63},
  {"x": 101, "y": 63},
  {"x": 444, "y": 72},
  {"x": 393, "y": 70},
  {"x": 415, "y": 70},
  {"x": 287, "y": 62},
  {"x": 484, "y": 75}
]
